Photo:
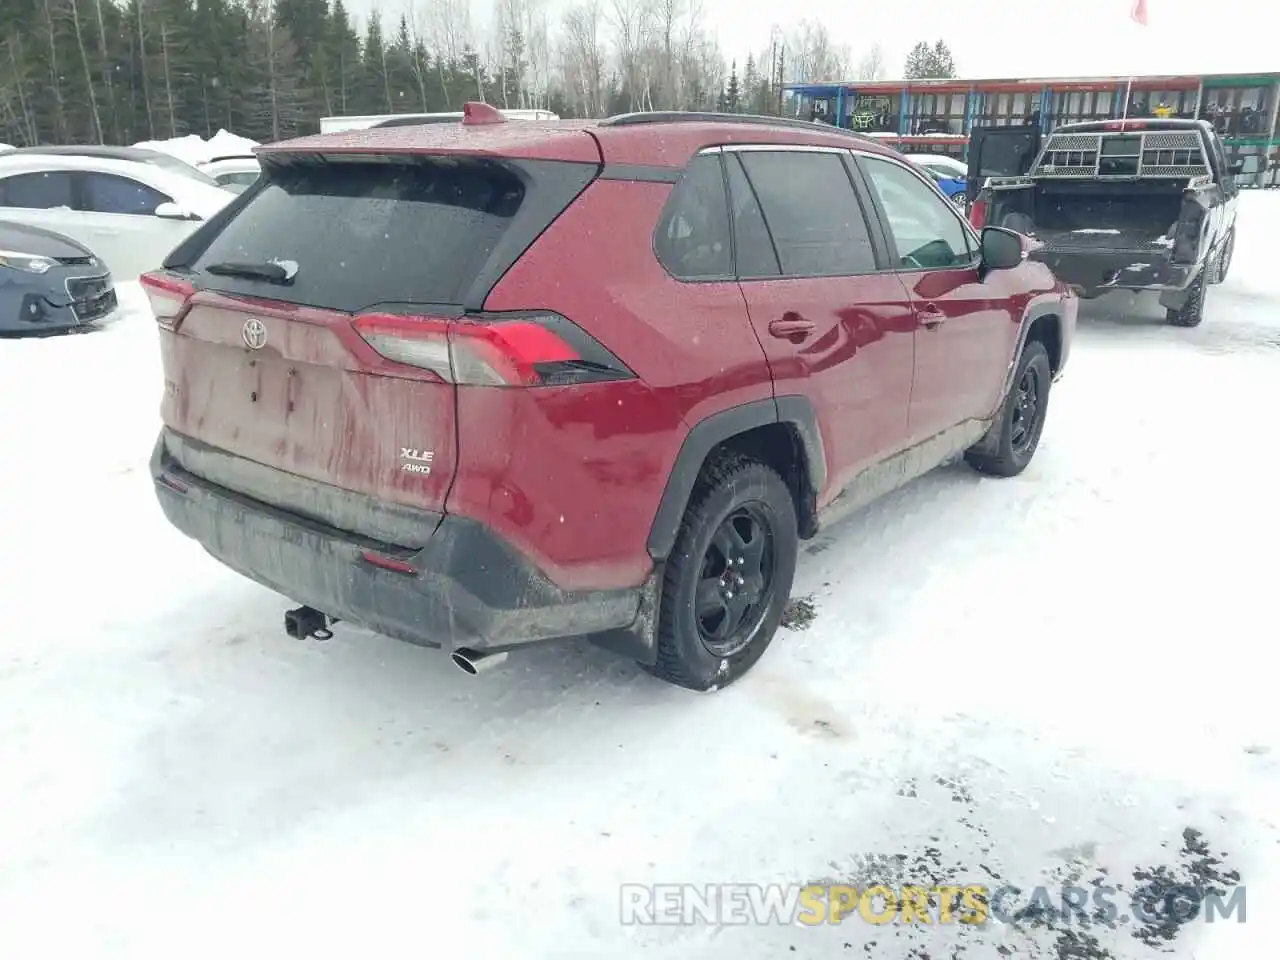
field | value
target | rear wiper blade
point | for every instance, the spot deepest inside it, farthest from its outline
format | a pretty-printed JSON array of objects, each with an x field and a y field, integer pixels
[{"x": 273, "y": 271}]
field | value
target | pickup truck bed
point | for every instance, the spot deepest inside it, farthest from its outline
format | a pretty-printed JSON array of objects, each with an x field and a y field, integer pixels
[
  {"x": 1129, "y": 204},
  {"x": 1100, "y": 236}
]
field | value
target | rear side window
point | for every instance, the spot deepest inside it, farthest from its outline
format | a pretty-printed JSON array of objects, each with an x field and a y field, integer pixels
[
  {"x": 361, "y": 234},
  {"x": 108, "y": 193},
  {"x": 812, "y": 213},
  {"x": 37, "y": 191},
  {"x": 693, "y": 236},
  {"x": 756, "y": 256}
]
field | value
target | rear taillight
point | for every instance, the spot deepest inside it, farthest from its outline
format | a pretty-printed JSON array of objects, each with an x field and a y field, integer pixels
[
  {"x": 978, "y": 213},
  {"x": 1124, "y": 125},
  {"x": 496, "y": 350},
  {"x": 168, "y": 295}
]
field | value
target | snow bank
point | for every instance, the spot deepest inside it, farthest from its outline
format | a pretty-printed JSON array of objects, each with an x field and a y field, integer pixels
[
  {"x": 194, "y": 149},
  {"x": 5, "y": 146}
]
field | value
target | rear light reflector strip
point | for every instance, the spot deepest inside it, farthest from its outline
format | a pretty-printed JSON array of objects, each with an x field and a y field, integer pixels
[
  {"x": 168, "y": 296},
  {"x": 388, "y": 563}
]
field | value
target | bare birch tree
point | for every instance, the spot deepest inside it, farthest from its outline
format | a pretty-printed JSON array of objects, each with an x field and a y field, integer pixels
[
  {"x": 813, "y": 55},
  {"x": 872, "y": 64},
  {"x": 95, "y": 121},
  {"x": 25, "y": 121},
  {"x": 168, "y": 77},
  {"x": 143, "y": 70},
  {"x": 582, "y": 55},
  {"x": 104, "y": 60},
  {"x": 55, "y": 74},
  {"x": 632, "y": 22}
]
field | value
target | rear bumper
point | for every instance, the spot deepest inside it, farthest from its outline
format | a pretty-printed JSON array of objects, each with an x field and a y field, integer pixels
[
  {"x": 471, "y": 589},
  {"x": 1095, "y": 271}
]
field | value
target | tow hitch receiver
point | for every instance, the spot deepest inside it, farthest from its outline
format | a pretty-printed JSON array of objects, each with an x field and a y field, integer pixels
[{"x": 304, "y": 622}]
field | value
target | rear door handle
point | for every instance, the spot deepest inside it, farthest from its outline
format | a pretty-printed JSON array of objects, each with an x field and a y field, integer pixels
[
  {"x": 791, "y": 326},
  {"x": 931, "y": 316}
]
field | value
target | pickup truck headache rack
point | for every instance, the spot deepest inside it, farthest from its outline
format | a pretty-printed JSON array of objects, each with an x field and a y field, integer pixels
[{"x": 1108, "y": 155}]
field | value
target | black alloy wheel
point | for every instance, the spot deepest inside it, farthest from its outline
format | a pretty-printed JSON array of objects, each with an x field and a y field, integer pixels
[
  {"x": 1026, "y": 410},
  {"x": 736, "y": 577}
]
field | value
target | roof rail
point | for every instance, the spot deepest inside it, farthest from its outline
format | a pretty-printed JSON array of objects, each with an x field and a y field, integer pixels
[
  {"x": 413, "y": 120},
  {"x": 693, "y": 116}
]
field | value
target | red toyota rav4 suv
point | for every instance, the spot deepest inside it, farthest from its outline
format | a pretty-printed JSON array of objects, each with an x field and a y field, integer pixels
[{"x": 491, "y": 383}]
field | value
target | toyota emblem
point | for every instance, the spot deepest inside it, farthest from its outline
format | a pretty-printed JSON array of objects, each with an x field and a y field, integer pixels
[{"x": 254, "y": 333}]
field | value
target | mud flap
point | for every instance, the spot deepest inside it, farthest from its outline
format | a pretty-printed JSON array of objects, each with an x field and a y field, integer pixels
[
  {"x": 639, "y": 641},
  {"x": 1175, "y": 299},
  {"x": 989, "y": 445}
]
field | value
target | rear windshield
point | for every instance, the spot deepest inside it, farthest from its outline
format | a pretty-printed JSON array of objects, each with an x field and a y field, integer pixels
[
  {"x": 1005, "y": 156},
  {"x": 368, "y": 233}
]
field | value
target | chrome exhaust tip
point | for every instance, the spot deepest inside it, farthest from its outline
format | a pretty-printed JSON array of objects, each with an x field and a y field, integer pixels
[{"x": 472, "y": 662}]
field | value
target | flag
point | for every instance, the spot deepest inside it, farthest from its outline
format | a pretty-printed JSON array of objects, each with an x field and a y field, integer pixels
[{"x": 1138, "y": 13}]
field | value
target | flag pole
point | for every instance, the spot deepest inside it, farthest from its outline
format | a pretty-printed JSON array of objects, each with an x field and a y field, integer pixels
[{"x": 1138, "y": 14}]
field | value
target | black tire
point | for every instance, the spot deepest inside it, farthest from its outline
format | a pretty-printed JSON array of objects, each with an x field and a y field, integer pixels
[
  {"x": 1014, "y": 436},
  {"x": 1224, "y": 257},
  {"x": 1192, "y": 311},
  {"x": 733, "y": 494}
]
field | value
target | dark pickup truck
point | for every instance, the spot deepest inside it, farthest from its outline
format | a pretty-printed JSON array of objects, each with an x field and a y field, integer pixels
[{"x": 1115, "y": 205}]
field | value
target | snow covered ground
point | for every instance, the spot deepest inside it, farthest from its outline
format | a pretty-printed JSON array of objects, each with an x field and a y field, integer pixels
[{"x": 1004, "y": 682}]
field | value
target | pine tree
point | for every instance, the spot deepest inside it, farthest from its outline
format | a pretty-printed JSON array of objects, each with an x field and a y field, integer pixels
[
  {"x": 375, "y": 92},
  {"x": 343, "y": 53},
  {"x": 919, "y": 62},
  {"x": 305, "y": 22},
  {"x": 926, "y": 62},
  {"x": 732, "y": 94},
  {"x": 944, "y": 65},
  {"x": 405, "y": 93}
]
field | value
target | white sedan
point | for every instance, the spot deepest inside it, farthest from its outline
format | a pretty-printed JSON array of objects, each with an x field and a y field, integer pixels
[
  {"x": 129, "y": 214},
  {"x": 233, "y": 173}
]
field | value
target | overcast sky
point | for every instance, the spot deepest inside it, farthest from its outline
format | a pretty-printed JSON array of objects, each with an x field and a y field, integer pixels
[{"x": 997, "y": 38}]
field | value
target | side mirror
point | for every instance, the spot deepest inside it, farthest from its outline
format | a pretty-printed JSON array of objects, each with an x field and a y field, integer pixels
[
  {"x": 1237, "y": 167},
  {"x": 1001, "y": 248},
  {"x": 172, "y": 211}
]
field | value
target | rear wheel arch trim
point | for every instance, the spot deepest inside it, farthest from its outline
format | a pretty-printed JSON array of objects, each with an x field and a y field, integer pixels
[{"x": 707, "y": 434}]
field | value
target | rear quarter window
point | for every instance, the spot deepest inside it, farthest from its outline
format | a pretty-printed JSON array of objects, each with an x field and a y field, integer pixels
[
  {"x": 692, "y": 241},
  {"x": 368, "y": 233}
]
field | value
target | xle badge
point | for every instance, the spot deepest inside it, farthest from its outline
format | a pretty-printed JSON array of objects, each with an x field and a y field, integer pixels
[{"x": 416, "y": 461}]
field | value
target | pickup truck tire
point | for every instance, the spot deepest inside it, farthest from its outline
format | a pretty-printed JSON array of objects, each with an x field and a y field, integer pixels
[
  {"x": 1224, "y": 257},
  {"x": 1192, "y": 310},
  {"x": 1011, "y": 442},
  {"x": 728, "y": 579}
]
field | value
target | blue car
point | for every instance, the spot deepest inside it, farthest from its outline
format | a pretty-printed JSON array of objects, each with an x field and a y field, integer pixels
[{"x": 949, "y": 174}]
